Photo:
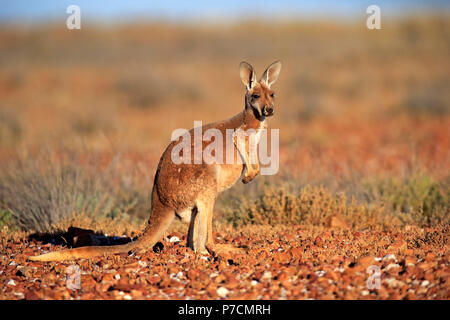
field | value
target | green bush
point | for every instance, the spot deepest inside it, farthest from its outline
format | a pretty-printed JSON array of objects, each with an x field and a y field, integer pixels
[{"x": 421, "y": 197}]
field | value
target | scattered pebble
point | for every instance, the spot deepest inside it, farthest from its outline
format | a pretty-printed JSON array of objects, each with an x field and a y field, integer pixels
[
  {"x": 390, "y": 257},
  {"x": 174, "y": 239},
  {"x": 267, "y": 275},
  {"x": 302, "y": 270},
  {"x": 222, "y": 292},
  {"x": 321, "y": 273},
  {"x": 392, "y": 265},
  {"x": 19, "y": 295}
]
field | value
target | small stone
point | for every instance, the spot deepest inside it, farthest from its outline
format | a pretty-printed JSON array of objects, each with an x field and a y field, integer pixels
[
  {"x": 398, "y": 246},
  {"x": 365, "y": 262},
  {"x": 394, "y": 283},
  {"x": 392, "y": 265},
  {"x": 24, "y": 271},
  {"x": 19, "y": 295},
  {"x": 390, "y": 257},
  {"x": 192, "y": 274},
  {"x": 410, "y": 261},
  {"x": 425, "y": 266},
  {"x": 321, "y": 273},
  {"x": 222, "y": 292},
  {"x": 117, "y": 276},
  {"x": 425, "y": 283},
  {"x": 174, "y": 239},
  {"x": 430, "y": 257},
  {"x": 31, "y": 295},
  {"x": 267, "y": 275}
]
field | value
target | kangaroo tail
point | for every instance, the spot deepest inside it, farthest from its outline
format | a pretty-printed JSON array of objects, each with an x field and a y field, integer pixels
[
  {"x": 86, "y": 252},
  {"x": 159, "y": 221}
]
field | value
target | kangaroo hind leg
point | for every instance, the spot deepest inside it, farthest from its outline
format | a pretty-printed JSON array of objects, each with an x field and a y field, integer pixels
[
  {"x": 160, "y": 219},
  {"x": 198, "y": 228}
]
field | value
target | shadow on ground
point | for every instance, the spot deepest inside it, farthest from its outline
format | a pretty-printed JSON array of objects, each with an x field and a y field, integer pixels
[{"x": 76, "y": 237}]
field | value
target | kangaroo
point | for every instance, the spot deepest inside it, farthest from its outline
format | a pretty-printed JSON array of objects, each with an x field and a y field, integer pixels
[{"x": 188, "y": 191}]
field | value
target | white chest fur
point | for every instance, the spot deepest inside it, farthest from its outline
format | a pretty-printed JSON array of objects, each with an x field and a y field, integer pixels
[{"x": 262, "y": 126}]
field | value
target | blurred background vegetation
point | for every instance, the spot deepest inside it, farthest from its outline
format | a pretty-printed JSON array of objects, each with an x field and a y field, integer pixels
[{"x": 364, "y": 115}]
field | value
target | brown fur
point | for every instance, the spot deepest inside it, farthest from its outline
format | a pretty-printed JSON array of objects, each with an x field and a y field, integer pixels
[{"x": 188, "y": 191}]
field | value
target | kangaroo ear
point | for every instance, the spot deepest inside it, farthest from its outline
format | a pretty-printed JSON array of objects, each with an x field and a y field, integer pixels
[
  {"x": 247, "y": 74},
  {"x": 271, "y": 74}
]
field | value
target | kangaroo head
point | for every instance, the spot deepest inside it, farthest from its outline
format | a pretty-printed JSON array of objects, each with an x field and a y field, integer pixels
[{"x": 259, "y": 96}]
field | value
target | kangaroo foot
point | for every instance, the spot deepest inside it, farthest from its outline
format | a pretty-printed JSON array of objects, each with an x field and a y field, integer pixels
[
  {"x": 201, "y": 251},
  {"x": 224, "y": 250}
]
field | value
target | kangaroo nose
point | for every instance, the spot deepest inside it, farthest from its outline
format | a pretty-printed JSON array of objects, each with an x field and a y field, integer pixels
[{"x": 268, "y": 111}]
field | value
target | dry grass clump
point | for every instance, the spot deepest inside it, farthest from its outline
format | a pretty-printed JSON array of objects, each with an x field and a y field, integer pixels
[
  {"x": 317, "y": 205},
  {"x": 312, "y": 205},
  {"x": 419, "y": 197},
  {"x": 39, "y": 194}
]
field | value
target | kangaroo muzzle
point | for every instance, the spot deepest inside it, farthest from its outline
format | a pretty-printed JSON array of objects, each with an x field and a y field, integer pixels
[{"x": 267, "y": 111}]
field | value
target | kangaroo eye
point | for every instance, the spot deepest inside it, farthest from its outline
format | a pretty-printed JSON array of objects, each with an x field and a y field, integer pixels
[
  {"x": 272, "y": 95},
  {"x": 255, "y": 96}
]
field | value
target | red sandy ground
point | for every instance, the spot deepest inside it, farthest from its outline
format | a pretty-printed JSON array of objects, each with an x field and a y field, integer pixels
[{"x": 280, "y": 263}]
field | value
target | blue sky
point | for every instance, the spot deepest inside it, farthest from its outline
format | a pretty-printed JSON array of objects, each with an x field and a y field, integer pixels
[{"x": 115, "y": 10}]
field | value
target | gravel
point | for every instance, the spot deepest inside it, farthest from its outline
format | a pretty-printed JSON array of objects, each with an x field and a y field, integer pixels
[{"x": 336, "y": 267}]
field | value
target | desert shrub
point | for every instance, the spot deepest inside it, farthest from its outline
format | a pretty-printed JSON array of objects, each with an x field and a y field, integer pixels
[
  {"x": 6, "y": 218},
  {"x": 312, "y": 205},
  {"x": 416, "y": 200},
  {"x": 41, "y": 192},
  {"x": 40, "y": 197},
  {"x": 418, "y": 196}
]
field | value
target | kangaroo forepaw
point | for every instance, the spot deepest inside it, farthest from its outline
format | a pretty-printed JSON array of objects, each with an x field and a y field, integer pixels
[{"x": 247, "y": 178}]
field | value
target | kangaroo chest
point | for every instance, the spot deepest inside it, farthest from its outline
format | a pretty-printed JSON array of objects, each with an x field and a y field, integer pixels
[{"x": 228, "y": 174}]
